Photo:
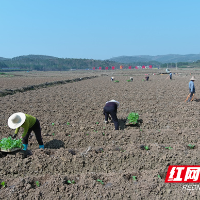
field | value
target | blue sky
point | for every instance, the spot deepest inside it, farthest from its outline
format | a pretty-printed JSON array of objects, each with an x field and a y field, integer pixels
[{"x": 99, "y": 29}]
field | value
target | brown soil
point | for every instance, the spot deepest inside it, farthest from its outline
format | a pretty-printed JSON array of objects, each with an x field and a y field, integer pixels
[{"x": 99, "y": 161}]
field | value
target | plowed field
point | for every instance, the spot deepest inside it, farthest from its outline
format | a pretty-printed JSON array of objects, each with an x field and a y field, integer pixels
[{"x": 87, "y": 159}]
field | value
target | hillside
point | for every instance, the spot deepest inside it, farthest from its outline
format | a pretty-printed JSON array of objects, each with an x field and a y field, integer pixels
[
  {"x": 50, "y": 63},
  {"x": 1, "y": 58},
  {"x": 170, "y": 58}
]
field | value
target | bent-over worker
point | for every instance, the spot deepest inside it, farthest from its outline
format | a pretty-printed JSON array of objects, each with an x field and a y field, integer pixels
[
  {"x": 111, "y": 109},
  {"x": 147, "y": 77},
  {"x": 29, "y": 123}
]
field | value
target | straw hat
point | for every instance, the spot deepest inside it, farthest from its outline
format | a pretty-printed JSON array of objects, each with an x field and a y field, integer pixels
[
  {"x": 192, "y": 79},
  {"x": 16, "y": 120},
  {"x": 113, "y": 101}
]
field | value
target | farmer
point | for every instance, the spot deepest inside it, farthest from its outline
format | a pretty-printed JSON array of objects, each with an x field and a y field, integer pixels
[
  {"x": 112, "y": 78},
  {"x": 111, "y": 109},
  {"x": 170, "y": 75},
  {"x": 147, "y": 77},
  {"x": 29, "y": 123},
  {"x": 191, "y": 88}
]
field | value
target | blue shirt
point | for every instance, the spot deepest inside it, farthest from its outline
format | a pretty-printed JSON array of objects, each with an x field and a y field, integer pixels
[{"x": 191, "y": 86}]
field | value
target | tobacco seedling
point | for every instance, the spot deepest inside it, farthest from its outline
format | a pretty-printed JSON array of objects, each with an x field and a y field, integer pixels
[
  {"x": 97, "y": 122},
  {"x": 70, "y": 182},
  {"x": 3, "y": 184},
  {"x": 100, "y": 181},
  {"x": 133, "y": 117},
  {"x": 134, "y": 178},
  {"x": 116, "y": 81},
  {"x": 168, "y": 147},
  {"x": 159, "y": 176},
  {"x": 68, "y": 123},
  {"x": 128, "y": 80},
  {"x": 52, "y": 124},
  {"x": 9, "y": 143},
  {"x": 69, "y": 135},
  {"x": 103, "y": 134},
  {"x": 53, "y": 133},
  {"x": 191, "y": 146},
  {"x": 146, "y": 147},
  {"x": 37, "y": 183}
]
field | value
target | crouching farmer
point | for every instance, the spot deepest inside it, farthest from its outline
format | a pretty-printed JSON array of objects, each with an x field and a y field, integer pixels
[
  {"x": 112, "y": 78},
  {"x": 131, "y": 78},
  {"x": 147, "y": 77},
  {"x": 111, "y": 109},
  {"x": 29, "y": 123}
]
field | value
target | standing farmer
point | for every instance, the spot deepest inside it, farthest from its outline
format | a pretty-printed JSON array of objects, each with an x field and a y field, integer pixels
[
  {"x": 170, "y": 75},
  {"x": 111, "y": 109},
  {"x": 191, "y": 88},
  {"x": 29, "y": 123}
]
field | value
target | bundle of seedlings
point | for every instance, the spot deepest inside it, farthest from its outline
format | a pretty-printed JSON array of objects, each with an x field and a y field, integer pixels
[
  {"x": 132, "y": 118},
  {"x": 9, "y": 144}
]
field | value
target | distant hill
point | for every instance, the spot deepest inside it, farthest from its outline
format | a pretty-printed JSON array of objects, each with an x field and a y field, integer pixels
[
  {"x": 34, "y": 57},
  {"x": 170, "y": 58},
  {"x": 50, "y": 63},
  {"x": 1, "y": 58}
]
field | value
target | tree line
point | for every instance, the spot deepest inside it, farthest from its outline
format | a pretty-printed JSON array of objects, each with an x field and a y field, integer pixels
[{"x": 49, "y": 63}]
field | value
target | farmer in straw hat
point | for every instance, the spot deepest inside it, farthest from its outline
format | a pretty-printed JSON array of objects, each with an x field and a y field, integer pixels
[
  {"x": 191, "y": 88},
  {"x": 111, "y": 109},
  {"x": 29, "y": 123}
]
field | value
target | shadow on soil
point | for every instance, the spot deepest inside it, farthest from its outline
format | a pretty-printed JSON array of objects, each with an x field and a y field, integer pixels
[
  {"x": 122, "y": 124},
  {"x": 21, "y": 153},
  {"x": 197, "y": 100},
  {"x": 54, "y": 144}
]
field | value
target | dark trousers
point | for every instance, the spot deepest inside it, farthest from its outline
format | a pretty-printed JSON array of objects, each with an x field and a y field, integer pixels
[
  {"x": 37, "y": 130},
  {"x": 191, "y": 94},
  {"x": 112, "y": 111}
]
